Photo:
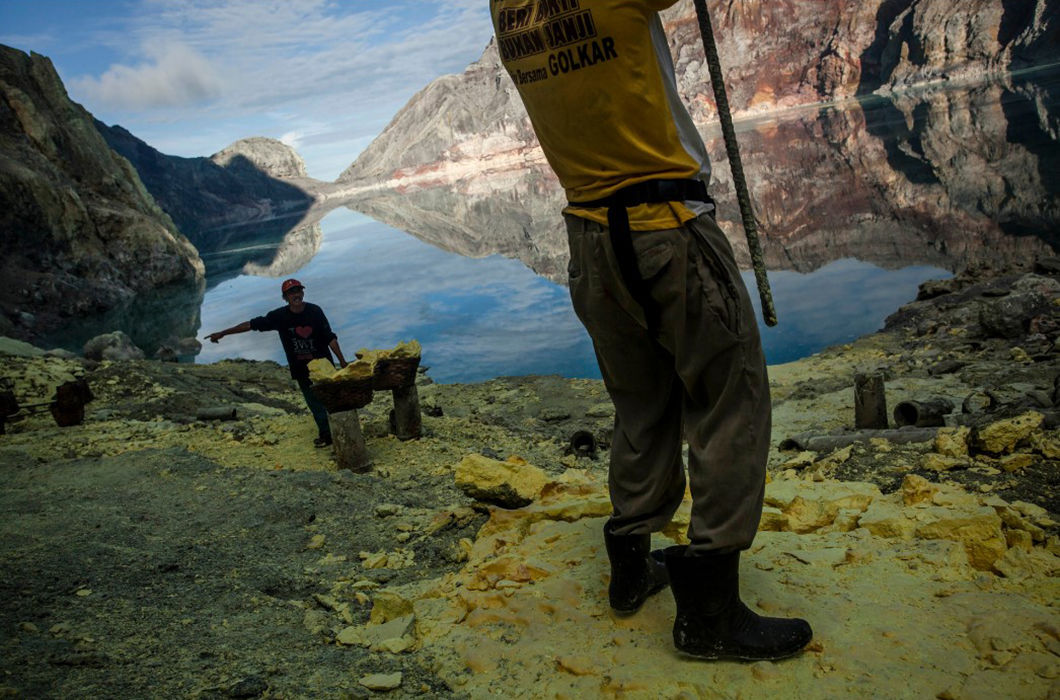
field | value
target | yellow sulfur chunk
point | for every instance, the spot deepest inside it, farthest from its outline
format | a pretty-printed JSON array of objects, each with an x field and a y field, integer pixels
[{"x": 321, "y": 369}]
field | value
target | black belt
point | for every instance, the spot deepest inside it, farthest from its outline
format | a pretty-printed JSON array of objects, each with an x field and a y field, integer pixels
[{"x": 647, "y": 192}]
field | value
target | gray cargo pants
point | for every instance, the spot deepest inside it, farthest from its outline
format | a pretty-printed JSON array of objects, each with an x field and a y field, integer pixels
[{"x": 699, "y": 373}]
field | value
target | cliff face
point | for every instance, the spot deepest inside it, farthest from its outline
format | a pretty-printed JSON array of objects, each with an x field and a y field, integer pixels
[
  {"x": 776, "y": 54},
  {"x": 79, "y": 233},
  {"x": 233, "y": 199}
]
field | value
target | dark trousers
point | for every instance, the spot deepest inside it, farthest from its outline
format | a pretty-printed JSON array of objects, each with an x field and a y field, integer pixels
[
  {"x": 320, "y": 414},
  {"x": 693, "y": 369}
]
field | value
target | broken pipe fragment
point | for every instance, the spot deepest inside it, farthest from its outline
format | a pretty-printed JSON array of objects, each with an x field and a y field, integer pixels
[{"x": 923, "y": 414}]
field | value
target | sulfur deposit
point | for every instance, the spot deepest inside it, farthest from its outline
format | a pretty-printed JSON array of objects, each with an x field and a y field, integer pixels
[
  {"x": 150, "y": 553},
  {"x": 322, "y": 370}
]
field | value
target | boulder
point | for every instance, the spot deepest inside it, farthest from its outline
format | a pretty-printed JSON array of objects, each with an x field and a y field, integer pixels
[
  {"x": 112, "y": 346},
  {"x": 1002, "y": 437},
  {"x": 509, "y": 484},
  {"x": 953, "y": 442},
  {"x": 978, "y": 529}
]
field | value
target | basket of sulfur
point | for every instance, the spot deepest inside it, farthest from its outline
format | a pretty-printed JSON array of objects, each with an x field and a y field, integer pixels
[
  {"x": 351, "y": 387},
  {"x": 394, "y": 368}
]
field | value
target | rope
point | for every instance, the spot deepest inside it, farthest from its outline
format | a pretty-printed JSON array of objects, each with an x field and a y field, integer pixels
[{"x": 717, "y": 82}]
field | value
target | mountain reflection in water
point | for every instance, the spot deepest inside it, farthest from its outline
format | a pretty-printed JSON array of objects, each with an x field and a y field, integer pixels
[{"x": 858, "y": 203}]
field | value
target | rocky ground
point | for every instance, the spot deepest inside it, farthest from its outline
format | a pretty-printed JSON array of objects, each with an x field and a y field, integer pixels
[{"x": 149, "y": 552}]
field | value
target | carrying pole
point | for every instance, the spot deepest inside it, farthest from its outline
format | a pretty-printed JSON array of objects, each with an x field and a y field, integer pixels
[{"x": 717, "y": 82}]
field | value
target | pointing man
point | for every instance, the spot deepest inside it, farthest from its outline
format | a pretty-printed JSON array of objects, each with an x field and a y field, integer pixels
[{"x": 306, "y": 335}]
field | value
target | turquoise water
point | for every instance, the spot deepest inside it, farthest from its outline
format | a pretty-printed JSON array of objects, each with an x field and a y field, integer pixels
[{"x": 489, "y": 317}]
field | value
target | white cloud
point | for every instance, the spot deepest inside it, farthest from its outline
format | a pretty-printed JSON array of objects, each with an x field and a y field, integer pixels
[
  {"x": 174, "y": 76},
  {"x": 332, "y": 73},
  {"x": 292, "y": 139}
]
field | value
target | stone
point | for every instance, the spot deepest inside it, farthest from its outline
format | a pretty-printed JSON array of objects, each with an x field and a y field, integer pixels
[
  {"x": 387, "y": 605},
  {"x": 953, "y": 442},
  {"x": 1020, "y": 355},
  {"x": 113, "y": 346},
  {"x": 807, "y": 516},
  {"x": 941, "y": 463},
  {"x": 1017, "y": 522},
  {"x": 10, "y": 346},
  {"x": 1035, "y": 513},
  {"x": 1007, "y": 317},
  {"x": 773, "y": 520},
  {"x": 1047, "y": 444},
  {"x": 1015, "y": 462},
  {"x": 917, "y": 489},
  {"x": 1019, "y": 563},
  {"x": 1018, "y": 538},
  {"x": 846, "y": 520},
  {"x": 507, "y": 484},
  {"x": 978, "y": 529},
  {"x": 316, "y": 621},
  {"x": 1003, "y": 436},
  {"x": 381, "y": 681},
  {"x": 808, "y": 506},
  {"x": 601, "y": 410},
  {"x": 350, "y": 636},
  {"x": 799, "y": 461},
  {"x": 887, "y": 519},
  {"x": 395, "y": 635}
]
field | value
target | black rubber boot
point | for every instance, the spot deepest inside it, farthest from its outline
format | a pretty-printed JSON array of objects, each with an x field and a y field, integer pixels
[
  {"x": 713, "y": 623},
  {"x": 636, "y": 571}
]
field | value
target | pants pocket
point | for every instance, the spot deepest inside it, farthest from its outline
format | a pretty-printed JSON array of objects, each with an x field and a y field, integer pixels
[{"x": 716, "y": 268}]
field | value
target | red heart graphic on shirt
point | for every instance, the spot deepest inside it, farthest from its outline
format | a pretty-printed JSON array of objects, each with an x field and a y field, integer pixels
[{"x": 304, "y": 331}]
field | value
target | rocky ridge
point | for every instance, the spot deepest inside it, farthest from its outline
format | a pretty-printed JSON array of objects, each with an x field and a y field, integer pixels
[
  {"x": 236, "y": 198},
  {"x": 153, "y": 552},
  {"x": 270, "y": 156},
  {"x": 79, "y": 233}
]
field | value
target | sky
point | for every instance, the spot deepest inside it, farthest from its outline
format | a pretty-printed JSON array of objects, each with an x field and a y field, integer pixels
[{"x": 190, "y": 77}]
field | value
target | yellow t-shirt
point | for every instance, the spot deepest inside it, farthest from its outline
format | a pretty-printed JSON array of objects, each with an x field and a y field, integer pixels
[{"x": 597, "y": 80}]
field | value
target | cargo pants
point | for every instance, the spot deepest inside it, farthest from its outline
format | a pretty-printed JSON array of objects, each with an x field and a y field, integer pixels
[{"x": 686, "y": 364}]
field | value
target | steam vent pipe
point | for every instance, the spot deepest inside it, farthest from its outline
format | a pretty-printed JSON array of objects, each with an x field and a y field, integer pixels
[{"x": 923, "y": 414}]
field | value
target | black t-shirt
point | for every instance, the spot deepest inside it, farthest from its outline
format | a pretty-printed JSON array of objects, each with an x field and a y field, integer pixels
[{"x": 305, "y": 336}]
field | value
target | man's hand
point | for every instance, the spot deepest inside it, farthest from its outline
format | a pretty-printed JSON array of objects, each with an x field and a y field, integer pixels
[{"x": 214, "y": 337}]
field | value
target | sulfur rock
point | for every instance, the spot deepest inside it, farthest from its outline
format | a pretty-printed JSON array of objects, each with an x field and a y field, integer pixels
[
  {"x": 953, "y": 442},
  {"x": 387, "y": 605},
  {"x": 382, "y": 681},
  {"x": 773, "y": 520},
  {"x": 886, "y": 519},
  {"x": 1015, "y": 462},
  {"x": 1019, "y": 563},
  {"x": 507, "y": 484},
  {"x": 1002, "y": 437},
  {"x": 978, "y": 529},
  {"x": 1046, "y": 444},
  {"x": 1019, "y": 539},
  {"x": 917, "y": 489},
  {"x": 941, "y": 463}
]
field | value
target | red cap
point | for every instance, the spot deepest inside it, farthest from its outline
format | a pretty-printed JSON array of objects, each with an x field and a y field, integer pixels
[{"x": 290, "y": 284}]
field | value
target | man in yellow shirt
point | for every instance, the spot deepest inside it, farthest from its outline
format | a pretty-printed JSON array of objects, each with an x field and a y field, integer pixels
[{"x": 653, "y": 279}]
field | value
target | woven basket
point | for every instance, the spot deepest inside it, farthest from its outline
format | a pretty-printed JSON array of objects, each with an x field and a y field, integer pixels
[
  {"x": 344, "y": 395},
  {"x": 394, "y": 373}
]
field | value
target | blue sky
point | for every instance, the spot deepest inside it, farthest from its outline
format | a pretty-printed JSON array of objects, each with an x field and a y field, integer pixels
[{"x": 190, "y": 77}]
